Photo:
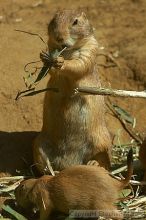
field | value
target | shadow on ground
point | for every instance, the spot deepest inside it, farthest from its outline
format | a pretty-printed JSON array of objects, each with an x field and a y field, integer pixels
[{"x": 16, "y": 151}]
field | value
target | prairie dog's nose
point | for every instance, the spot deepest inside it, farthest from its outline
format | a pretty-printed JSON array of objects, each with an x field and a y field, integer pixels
[
  {"x": 64, "y": 45},
  {"x": 62, "y": 42},
  {"x": 59, "y": 39}
]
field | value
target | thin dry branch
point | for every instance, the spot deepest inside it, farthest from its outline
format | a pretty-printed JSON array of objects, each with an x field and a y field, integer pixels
[
  {"x": 32, "y": 91},
  {"x": 132, "y": 182},
  {"x": 48, "y": 163},
  {"x": 137, "y": 202},
  {"x": 12, "y": 178},
  {"x": 128, "y": 128},
  {"x": 111, "y": 58},
  {"x": 34, "y": 34},
  {"x": 110, "y": 92},
  {"x": 119, "y": 170}
]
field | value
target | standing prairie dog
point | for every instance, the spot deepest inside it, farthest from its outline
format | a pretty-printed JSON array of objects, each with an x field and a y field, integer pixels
[
  {"x": 79, "y": 187},
  {"x": 74, "y": 129}
]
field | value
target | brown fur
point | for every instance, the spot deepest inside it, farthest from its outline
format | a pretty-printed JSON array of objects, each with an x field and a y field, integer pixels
[
  {"x": 142, "y": 157},
  {"x": 80, "y": 187},
  {"x": 74, "y": 129}
]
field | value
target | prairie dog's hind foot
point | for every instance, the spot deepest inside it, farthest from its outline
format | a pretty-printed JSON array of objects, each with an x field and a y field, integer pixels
[{"x": 93, "y": 163}]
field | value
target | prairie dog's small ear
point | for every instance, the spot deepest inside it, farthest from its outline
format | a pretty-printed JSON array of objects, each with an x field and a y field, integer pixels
[{"x": 83, "y": 15}]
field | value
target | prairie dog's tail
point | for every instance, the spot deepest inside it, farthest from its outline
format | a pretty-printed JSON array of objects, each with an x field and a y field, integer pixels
[{"x": 129, "y": 168}]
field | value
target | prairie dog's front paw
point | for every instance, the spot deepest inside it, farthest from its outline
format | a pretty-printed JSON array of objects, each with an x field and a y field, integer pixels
[
  {"x": 58, "y": 62},
  {"x": 45, "y": 57}
]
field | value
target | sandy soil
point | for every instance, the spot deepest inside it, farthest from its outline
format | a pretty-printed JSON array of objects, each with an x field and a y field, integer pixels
[{"x": 119, "y": 26}]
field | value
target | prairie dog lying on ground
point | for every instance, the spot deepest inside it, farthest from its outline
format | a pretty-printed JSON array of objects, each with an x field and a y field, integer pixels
[
  {"x": 74, "y": 129},
  {"x": 80, "y": 187}
]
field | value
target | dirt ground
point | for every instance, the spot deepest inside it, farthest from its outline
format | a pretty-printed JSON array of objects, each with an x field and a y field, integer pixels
[{"x": 119, "y": 27}]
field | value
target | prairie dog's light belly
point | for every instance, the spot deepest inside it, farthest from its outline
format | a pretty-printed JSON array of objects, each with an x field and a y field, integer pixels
[{"x": 65, "y": 112}]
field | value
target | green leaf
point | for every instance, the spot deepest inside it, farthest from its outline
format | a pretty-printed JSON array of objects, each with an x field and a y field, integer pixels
[
  {"x": 124, "y": 206},
  {"x": 43, "y": 73},
  {"x": 124, "y": 114},
  {"x": 18, "y": 216},
  {"x": 55, "y": 53},
  {"x": 45, "y": 69},
  {"x": 5, "y": 218},
  {"x": 124, "y": 193},
  {"x": 37, "y": 92}
]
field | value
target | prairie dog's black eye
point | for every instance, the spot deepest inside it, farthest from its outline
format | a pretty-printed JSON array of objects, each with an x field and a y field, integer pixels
[{"x": 75, "y": 22}]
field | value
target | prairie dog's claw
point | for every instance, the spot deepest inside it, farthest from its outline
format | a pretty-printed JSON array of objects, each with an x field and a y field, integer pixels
[
  {"x": 45, "y": 57},
  {"x": 93, "y": 163}
]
